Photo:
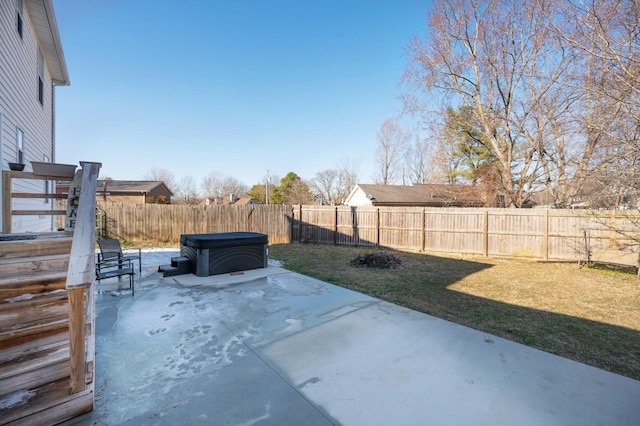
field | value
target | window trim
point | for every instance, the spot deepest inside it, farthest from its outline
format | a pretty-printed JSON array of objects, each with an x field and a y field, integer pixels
[
  {"x": 19, "y": 19},
  {"x": 40, "y": 91},
  {"x": 40, "y": 77},
  {"x": 20, "y": 146}
]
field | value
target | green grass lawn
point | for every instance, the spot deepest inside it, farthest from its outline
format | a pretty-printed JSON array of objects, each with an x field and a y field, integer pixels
[{"x": 588, "y": 315}]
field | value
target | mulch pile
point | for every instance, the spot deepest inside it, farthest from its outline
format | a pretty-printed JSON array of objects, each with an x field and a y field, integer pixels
[{"x": 377, "y": 260}]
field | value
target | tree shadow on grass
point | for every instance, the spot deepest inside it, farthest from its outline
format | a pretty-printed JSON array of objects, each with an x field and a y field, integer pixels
[{"x": 431, "y": 284}]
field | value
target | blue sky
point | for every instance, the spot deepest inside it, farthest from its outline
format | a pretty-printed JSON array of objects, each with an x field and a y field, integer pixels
[{"x": 234, "y": 87}]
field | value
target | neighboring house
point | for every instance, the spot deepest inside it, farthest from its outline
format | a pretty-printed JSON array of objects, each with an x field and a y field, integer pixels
[
  {"x": 32, "y": 64},
  {"x": 227, "y": 201},
  {"x": 419, "y": 195},
  {"x": 134, "y": 191},
  {"x": 244, "y": 201},
  {"x": 128, "y": 191}
]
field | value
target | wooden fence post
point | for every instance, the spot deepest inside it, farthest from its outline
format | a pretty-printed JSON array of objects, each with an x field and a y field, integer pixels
[
  {"x": 354, "y": 225},
  {"x": 335, "y": 224},
  {"x": 377, "y": 226},
  {"x": 485, "y": 234},
  {"x": 545, "y": 237},
  {"x": 613, "y": 234},
  {"x": 423, "y": 238},
  {"x": 299, "y": 222}
]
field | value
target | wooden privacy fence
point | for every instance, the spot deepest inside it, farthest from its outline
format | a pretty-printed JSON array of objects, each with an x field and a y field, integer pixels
[
  {"x": 532, "y": 233},
  {"x": 165, "y": 222}
]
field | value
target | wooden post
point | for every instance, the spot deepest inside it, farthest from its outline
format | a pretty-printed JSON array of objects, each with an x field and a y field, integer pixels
[
  {"x": 354, "y": 225},
  {"x": 613, "y": 234},
  {"x": 6, "y": 202},
  {"x": 377, "y": 226},
  {"x": 77, "y": 354},
  {"x": 545, "y": 237},
  {"x": 485, "y": 234},
  {"x": 299, "y": 222},
  {"x": 423, "y": 238},
  {"x": 335, "y": 225},
  {"x": 81, "y": 277}
]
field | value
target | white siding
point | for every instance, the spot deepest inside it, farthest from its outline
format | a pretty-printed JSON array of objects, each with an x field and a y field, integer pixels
[
  {"x": 20, "y": 108},
  {"x": 358, "y": 198}
]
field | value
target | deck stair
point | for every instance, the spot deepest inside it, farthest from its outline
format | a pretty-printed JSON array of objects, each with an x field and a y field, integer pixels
[
  {"x": 180, "y": 265},
  {"x": 34, "y": 326}
]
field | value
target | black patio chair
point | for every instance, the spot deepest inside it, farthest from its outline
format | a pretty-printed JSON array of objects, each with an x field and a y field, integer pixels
[
  {"x": 116, "y": 268},
  {"x": 110, "y": 250}
]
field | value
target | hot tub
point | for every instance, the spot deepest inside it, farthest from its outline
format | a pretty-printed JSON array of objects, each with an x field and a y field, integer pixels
[{"x": 225, "y": 252}]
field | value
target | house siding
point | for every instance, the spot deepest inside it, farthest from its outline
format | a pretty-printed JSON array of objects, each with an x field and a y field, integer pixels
[
  {"x": 21, "y": 109},
  {"x": 158, "y": 192},
  {"x": 358, "y": 198},
  {"x": 150, "y": 196},
  {"x": 124, "y": 198}
]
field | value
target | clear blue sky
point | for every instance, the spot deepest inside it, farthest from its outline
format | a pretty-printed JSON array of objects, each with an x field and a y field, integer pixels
[{"x": 235, "y": 87}]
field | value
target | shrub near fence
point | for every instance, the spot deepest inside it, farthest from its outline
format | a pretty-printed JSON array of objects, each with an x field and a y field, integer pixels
[{"x": 532, "y": 233}]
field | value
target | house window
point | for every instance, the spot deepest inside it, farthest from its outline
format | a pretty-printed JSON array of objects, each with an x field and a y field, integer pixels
[
  {"x": 20, "y": 146},
  {"x": 19, "y": 13},
  {"x": 40, "y": 77}
]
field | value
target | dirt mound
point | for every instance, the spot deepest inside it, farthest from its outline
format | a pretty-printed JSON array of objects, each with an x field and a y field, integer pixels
[{"x": 377, "y": 260}]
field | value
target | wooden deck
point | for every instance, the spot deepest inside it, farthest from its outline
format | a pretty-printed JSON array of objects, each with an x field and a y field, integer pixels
[
  {"x": 35, "y": 385},
  {"x": 47, "y": 319}
]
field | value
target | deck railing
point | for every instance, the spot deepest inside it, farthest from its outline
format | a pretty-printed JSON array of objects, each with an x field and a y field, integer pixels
[
  {"x": 48, "y": 334},
  {"x": 8, "y": 195}
]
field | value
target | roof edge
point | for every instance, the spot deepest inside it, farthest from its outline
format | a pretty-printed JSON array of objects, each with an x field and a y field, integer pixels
[{"x": 55, "y": 61}]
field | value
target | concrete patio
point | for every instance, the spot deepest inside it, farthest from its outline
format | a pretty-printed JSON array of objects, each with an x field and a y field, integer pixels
[{"x": 272, "y": 347}]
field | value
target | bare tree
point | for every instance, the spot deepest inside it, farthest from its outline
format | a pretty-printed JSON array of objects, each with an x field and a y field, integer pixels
[
  {"x": 218, "y": 186},
  {"x": 332, "y": 186},
  {"x": 348, "y": 171},
  {"x": 608, "y": 34},
  {"x": 324, "y": 187},
  {"x": 187, "y": 191},
  {"x": 162, "y": 175},
  {"x": 416, "y": 158},
  {"x": 392, "y": 142},
  {"x": 504, "y": 61}
]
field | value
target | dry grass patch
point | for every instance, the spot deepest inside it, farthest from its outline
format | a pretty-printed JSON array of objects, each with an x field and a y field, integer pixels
[{"x": 588, "y": 315}]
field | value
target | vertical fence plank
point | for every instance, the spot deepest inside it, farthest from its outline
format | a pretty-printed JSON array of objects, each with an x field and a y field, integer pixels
[
  {"x": 335, "y": 224},
  {"x": 485, "y": 233},
  {"x": 423, "y": 234},
  {"x": 545, "y": 237},
  {"x": 377, "y": 226}
]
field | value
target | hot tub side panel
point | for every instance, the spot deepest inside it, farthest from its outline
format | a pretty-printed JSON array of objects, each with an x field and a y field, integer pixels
[
  {"x": 214, "y": 254},
  {"x": 234, "y": 259}
]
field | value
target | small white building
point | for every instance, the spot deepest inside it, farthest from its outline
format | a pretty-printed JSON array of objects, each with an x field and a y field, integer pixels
[
  {"x": 31, "y": 65},
  {"x": 418, "y": 195}
]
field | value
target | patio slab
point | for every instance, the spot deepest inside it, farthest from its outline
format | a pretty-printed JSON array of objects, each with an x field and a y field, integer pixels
[{"x": 272, "y": 347}]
